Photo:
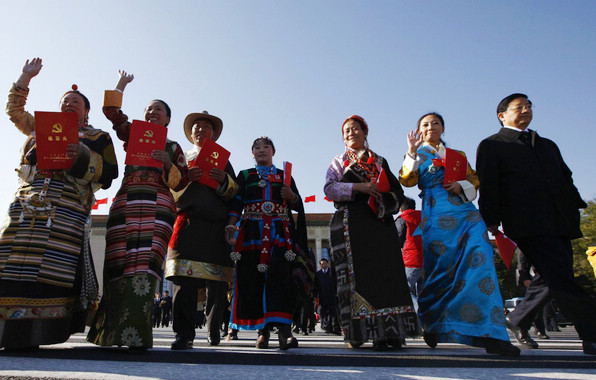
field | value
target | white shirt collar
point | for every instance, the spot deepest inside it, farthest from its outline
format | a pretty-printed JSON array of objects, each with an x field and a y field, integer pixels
[
  {"x": 191, "y": 154},
  {"x": 516, "y": 129}
]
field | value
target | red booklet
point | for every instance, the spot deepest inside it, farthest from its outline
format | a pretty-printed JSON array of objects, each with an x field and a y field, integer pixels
[
  {"x": 456, "y": 166},
  {"x": 144, "y": 138},
  {"x": 53, "y": 132},
  {"x": 288, "y": 173},
  {"x": 212, "y": 155},
  {"x": 384, "y": 187},
  {"x": 506, "y": 248}
]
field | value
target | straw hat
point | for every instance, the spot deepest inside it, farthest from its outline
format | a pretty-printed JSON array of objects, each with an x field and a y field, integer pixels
[{"x": 190, "y": 120}]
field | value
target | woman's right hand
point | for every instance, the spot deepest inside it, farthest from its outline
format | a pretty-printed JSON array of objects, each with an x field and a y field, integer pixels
[
  {"x": 369, "y": 188},
  {"x": 230, "y": 236},
  {"x": 195, "y": 173},
  {"x": 32, "y": 68},
  {"x": 414, "y": 141},
  {"x": 125, "y": 79}
]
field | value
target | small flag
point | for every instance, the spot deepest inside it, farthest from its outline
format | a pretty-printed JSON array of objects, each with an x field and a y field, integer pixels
[
  {"x": 98, "y": 202},
  {"x": 311, "y": 198},
  {"x": 327, "y": 199}
]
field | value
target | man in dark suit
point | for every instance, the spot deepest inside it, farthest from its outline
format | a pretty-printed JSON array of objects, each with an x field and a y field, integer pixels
[
  {"x": 526, "y": 186},
  {"x": 325, "y": 291}
]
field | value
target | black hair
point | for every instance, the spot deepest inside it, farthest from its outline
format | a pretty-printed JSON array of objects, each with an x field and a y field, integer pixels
[
  {"x": 265, "y": 139},
  {"x": 323, "y": 259},
  {"x": 168, "y": 110},
  {"x": 504, "y": 104},
  {"x": 408, "y": 204},
  {"x": 433, "y": 114},
  {"x": 438, "y": 116}
]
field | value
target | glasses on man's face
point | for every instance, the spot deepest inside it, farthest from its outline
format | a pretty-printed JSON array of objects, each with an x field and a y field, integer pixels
[{"x": 528, "y": 107}]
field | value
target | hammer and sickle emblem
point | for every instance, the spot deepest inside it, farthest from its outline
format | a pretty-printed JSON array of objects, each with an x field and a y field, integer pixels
[
  {"x": 148, "y": 133},
  {"x": 57, "y": 128},
  {"x": 215, "y": 155}
]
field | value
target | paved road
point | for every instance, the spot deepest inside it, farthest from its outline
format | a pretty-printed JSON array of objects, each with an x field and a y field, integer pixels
[{"x": 320, "y": 356}]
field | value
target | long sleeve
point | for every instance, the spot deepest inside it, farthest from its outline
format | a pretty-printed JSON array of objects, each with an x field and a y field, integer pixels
[
  {"x": 96, "y": 164},
  {"x": 176, "y": 178},
  {"x": 15, "y": 108},
  {"x": 488, "y": 174},
  {"x": 335, "y": 189}
]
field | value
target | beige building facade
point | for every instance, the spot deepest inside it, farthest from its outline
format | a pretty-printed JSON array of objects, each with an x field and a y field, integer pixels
[{"x": 317, "y": 226}]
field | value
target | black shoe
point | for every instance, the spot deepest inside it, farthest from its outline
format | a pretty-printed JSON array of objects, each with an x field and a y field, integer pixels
[
  {"x": 305, "y": 333},
  {"x": 589, "y": 347},
  {"x": 181, "y": 344},
  {"x": 213, "y": 340},
  {"x": 431, "y": 339},
  {"x": 521, "y": 335},
  {"x": 500, "y": 347},
  {"x": 353, "y": 344},
  {"x": 380, "y": 345},
  {"x": 396, "y": 342},
  {"x": 542, "y": 336},
  {"x": 285, "y": 338},
  {"x": 263, "y": 338}
]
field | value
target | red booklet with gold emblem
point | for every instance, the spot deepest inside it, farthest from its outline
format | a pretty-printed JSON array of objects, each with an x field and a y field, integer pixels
[
  {"x": 53, "y": 132},
  {"x": 456, "y": 166},
  {"x": 384, "y": 187},
  {"x": 212, "y": 155},
  {"x": 144, "y": 138}
]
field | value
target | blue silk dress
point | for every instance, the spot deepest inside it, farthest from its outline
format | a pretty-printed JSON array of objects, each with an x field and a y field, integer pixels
[{"x": 461, "y": 300}]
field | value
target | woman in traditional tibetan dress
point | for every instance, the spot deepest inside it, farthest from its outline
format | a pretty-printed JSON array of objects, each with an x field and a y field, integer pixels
[
  {"x": 47, "y": 279},
  {"x": 138, "y": 230},
  {"x": 461, "y": 301},
  {"x": 373, "y": 293},
  {"x": 269, "y": 250}
]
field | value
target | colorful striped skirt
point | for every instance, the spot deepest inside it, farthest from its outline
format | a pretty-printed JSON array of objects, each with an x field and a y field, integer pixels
[
  {"x": 40, "y": 268},
  {"x": 138, "y": 231}
]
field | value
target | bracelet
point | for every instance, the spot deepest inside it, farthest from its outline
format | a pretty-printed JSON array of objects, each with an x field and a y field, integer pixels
[{"x": 231, "y": 226}]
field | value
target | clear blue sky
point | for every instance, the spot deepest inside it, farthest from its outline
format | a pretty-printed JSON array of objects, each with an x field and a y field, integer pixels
[{"x": 294, "y": 70}]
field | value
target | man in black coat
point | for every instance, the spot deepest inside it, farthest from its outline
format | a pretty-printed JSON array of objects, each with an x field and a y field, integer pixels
[
  {"x": 526, "y": 186},
  {"x": 325, "y": 291}
]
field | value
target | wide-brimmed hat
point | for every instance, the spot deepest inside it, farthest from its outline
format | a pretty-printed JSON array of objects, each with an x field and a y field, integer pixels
[{"x": 190, "y": 120}]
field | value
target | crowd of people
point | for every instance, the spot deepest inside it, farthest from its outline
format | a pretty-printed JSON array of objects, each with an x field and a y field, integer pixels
[{"x": 239, "y": 245}]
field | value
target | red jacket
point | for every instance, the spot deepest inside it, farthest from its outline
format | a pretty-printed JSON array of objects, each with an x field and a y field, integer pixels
[{"x": 412, "y": 250}]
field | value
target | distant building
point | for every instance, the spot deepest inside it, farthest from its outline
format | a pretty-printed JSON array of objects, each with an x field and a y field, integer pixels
[{"x": 317, "y": 226}]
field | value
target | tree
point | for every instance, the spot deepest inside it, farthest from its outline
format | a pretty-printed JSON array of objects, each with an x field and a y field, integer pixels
[{"x": 583, "y": 270}]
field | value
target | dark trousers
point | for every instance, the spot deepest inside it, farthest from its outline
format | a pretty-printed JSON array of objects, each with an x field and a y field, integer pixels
[
  {"x": 552, "y": 258},
  {"x": 328, "y": 313},
  {"x": 308, "y": 315},
  {"x": 185, "y": 306}
]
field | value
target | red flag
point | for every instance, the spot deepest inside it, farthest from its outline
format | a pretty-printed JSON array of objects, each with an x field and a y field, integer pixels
[
  {"x": 327, "y": 199},
  {"x": 311, "y": 198},
  {"x": 98, "y": 202},
  {"x": 506, "y": 248},
  {"x": 288, "y": 173}
]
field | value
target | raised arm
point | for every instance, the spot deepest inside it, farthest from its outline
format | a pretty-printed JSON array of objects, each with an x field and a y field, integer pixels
[
  {"x": 17, "y": 97},
  {"x": 124, "y": 79},
  {"x": 30, "y": 70}
]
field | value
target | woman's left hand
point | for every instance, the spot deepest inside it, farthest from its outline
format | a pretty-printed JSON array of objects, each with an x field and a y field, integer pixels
[
  {"x": 163, "y": 157},
  {"x": 73, "y": 150},
  {"x": 218, "y": 175},
  {"x": 287, "y": 193},
  {"x": 453, "y": 188}
]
